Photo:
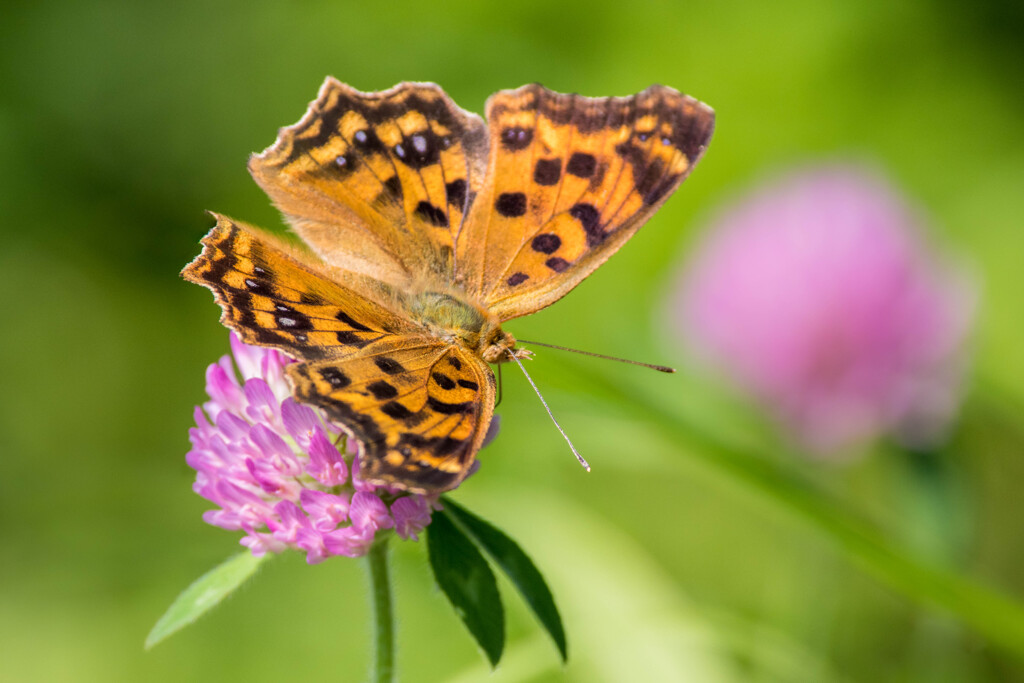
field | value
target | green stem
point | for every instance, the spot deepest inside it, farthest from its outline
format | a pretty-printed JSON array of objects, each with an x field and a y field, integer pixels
[{"x": 383, "y": 614}]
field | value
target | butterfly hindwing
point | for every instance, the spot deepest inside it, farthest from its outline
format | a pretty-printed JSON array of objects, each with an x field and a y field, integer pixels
[
  {"x": 273, "y": 299},
  {"x": 378, "y": 182},
  {"x": 570, "y": 180},
  {"x": 420, "y": 410}
]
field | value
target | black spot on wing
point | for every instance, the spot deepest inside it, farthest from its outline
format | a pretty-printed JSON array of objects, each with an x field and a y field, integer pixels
[
  {"x": 440, "y": 446},
  {"x": 651, "y": 185},
  {"x": 396, "y": 410},
  {"x": 456, "y": 192},
  {"x": 446, "y": 446},
  {"x": 344, "y": 163},
  {"x": 242, "y": 303},
  {"x": 660, "y": 189},
  {"x": 588, "y": 217},
  {"x": 420, "y": 149},
  {"x": 515, "y": 139},
  {"x": 351, "y": 322},
  {"x": 392, "y": 191},
  {"x": 367, "y": 141},
  {"x": 388, "y": 365},
  {"x": 449, "y": 408},
  {"x": 443, "y": 380},
  {"x": 350, "y": 338},
  {"x": 511, "y": 204},
  {"x": 260, "y": 287},
  {"x": 581, "y": 165},
  {"x": 557, "y": 264},
  {"x": 288, "y": 318},
  {"x": 547, "y": 171},
  {"x": 335, "y": 377},
  {"x": 546, "y": 243},
  {"x": 382, "y": 390},
  {"x": 432, "y": 214}
]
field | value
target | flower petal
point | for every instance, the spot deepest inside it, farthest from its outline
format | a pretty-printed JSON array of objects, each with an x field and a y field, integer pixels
[
  {"x": 326, "y": 463},
  {"x": 368, "y": 511},
  {"x": 411, "y": 515}
]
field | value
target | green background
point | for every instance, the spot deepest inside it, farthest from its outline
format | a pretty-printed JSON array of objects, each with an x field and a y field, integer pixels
[{"x": 715, "y": 557}]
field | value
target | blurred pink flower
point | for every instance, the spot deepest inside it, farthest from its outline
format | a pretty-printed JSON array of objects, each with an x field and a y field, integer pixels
[
  {"x": 818, "y": 296},
  {"x": 274, "y": 469}
]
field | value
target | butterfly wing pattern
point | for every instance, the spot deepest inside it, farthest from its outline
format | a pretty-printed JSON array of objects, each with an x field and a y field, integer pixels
[
  {"x": 570, "y": 180},
  {"x": 429, "y": 228},
  {"x": 421, "y": 412},
  {"x": 418, "y": 406},
  {"x": 378, "y": 182},
  {"x": 271, "y": 298}
]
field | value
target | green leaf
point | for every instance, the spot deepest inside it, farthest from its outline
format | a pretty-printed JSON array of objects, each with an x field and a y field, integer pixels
[
  {"x": 464, "y": 576},
  {"x": 204, "y": 594},
  {"x": 518, "y": 567}
]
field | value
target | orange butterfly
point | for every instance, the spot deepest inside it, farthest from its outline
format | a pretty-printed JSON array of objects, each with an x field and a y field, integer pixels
[{"x": 432, "y": 229}]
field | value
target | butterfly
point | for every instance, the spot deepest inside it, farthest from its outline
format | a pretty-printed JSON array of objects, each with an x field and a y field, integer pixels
[{"x": 429, "y": 228}]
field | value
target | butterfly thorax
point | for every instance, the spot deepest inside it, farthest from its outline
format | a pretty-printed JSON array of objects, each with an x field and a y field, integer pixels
[{"x": 447, "y": 316}]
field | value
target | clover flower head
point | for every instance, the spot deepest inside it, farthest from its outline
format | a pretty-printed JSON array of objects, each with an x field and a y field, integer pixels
[
  {"x": 279, "y": 470},
  {"x": 819, "y": 296}
]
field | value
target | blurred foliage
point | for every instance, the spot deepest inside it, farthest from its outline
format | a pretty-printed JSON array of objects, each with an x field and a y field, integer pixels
[{"x": 121, "y": 122}]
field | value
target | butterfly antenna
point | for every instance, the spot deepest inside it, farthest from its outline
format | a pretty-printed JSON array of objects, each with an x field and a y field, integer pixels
[
  {"x": 575, "y": 452},
  {"x": 500, "y": 387},
  {"x": 652, "y": 366}
]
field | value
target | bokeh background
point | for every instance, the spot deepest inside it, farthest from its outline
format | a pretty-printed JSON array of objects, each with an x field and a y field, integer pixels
[{"x": 704, "y": 546}]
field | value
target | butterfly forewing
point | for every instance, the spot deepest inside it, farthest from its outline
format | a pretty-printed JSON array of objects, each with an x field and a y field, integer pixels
[
  {"x": 570, "y": 180},
  {"x": 272, "y": 299},
  {"x": 378, "y": 182},
  {"x": 419, "y": 410}
]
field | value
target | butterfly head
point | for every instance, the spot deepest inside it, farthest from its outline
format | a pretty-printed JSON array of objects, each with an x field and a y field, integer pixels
[{"x": 501, "y": 348}]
